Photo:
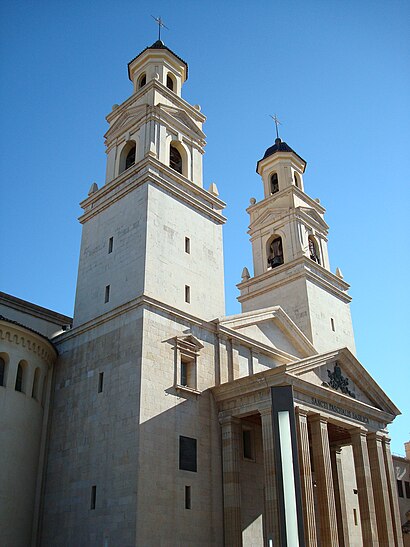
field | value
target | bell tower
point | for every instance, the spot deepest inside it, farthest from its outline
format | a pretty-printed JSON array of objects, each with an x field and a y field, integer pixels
[
  {"x": 152, "y": 230},
  {"x": 290, "y": 258}
]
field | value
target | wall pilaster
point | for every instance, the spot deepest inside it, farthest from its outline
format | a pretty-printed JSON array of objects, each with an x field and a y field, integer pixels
[
  {"x": 231, "y": 431},
  {"x": 340, "y": 500},
  {"x": 392, "y": 489}
]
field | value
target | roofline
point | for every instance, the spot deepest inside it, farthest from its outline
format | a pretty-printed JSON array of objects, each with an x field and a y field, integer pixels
[
  {"x": 39, "y": 311},
  {"x": 43, "y": 336}
]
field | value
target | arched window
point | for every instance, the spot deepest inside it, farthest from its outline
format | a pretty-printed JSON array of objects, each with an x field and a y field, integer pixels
[
  {"x": 175, "y": 159},
  {"x": 275, "y": 252},
  {"x": 170, "y": 82},
  {"x": 296, "y": 178},
  {"x": 36, "y": 384},
  {"x": 127, "y": 158},
  {"x": 142, "y": 80},
  {"x": 2, "y": 372},
  {"x": 314, "y": 249},
  {"x": 20, "y": 378},
  {"x": 274, "y": 183},
  {"x": 130, "y": 159}
]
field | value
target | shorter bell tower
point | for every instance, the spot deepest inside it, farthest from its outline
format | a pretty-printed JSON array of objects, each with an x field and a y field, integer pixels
[{"x": 290, "y": 258}]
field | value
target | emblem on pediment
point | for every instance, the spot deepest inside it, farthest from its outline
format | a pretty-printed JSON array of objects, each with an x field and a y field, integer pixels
[{"x": 337, "y": 381}]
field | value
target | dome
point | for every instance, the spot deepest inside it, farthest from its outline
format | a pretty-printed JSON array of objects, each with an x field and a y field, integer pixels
[
  {"x": 279, "y": 146},
  {"x": 159, "y": 44}
]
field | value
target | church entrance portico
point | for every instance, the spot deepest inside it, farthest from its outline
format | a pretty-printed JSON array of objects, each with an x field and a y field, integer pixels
[{"x": 342, "y": 487}]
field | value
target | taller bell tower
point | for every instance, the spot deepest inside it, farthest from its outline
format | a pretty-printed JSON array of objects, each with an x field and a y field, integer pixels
[
  {"x": 152, "y": 230},
  {"x": 290, "y": 258}
]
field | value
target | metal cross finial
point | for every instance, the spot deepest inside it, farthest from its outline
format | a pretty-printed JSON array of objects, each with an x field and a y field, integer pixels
[
  {"x": 160, "y": 24},
  {"x": 277, "y": 123}
]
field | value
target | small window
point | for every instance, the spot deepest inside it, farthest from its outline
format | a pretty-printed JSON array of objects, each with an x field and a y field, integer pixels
[
  {"x": 187, "y": 454},
  {"x": 142, "y": 81},
  {"x": 274, "y": 183},
  {"x": 36, "y": 384},
  {"x": 296, "y": 179},
  {"x": 275, "y": 252},
  {"x": 170, "y": 82},
  {"x": 19, "y": 378},
  {"x": 130, "y": 159},
  {"x": 93, "y": 497},
  {"x": 107, "y": 294},
  {"x": 187, "y": 245},
  {"x": 247, "y": 442},
  {"x": 407, "y": 489},
  {"x": 313, "y": 250},
  {"x": 2, "y": 372},
  {"x": 332, "y": 323},
  {"x": 355, "y": 516},
  {"x": 175, "y": 159},
  {"x": 187, "y": 497},
  {"x": 110, "y": 245},
  {"x": 187, "y": 294},
  {"x": 400, "y": 489},
  {"x": 100, "y": 382},
  {"x": 188, "y": 372}
]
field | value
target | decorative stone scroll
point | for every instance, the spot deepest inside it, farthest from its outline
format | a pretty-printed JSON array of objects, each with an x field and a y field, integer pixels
[{"x": 338, "y": 381}]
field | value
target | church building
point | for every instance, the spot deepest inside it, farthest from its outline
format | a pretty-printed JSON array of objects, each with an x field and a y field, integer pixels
[{"x": 151, "y": 417}]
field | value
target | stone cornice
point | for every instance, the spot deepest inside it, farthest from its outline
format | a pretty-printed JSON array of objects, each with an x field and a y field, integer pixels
[
  {"x": 301, "y": 267},
  {"x": 33, "y": 309},
  {"x": 152, "y": 171},
  {"x": 286, "y": 191},
  {"x": 20, "y": 336}
]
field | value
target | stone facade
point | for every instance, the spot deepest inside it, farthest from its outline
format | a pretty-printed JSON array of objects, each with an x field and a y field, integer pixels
[{"x": 168, "y": 423}]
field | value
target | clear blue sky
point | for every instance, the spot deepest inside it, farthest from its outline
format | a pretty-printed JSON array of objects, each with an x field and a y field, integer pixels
[{"x": 336, "y": 73}]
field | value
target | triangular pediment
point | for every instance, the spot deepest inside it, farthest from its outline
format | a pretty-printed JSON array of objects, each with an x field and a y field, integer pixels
[
  {"x": 268, "y": 217},
  {"x": 341, "y": 372},
  {"x": 182, "y": 117},
  {"x": 273, "y": 328},
  {"x": 315, "y": 216},
  {"x": 126, "y": 120}
]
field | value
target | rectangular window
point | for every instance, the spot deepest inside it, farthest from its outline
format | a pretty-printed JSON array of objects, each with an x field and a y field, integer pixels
[
  {"x": 332, "y": 322},
  {"x": 188, "y": 372},
  {"x": 355, "y": 516},
  {"x": 247, "y": 443},
  {"x": 187, "y": 294},
  {"x": 187, "y": 497},
  {"x": 100, "y": 382},
  {"x": 187, "y": 245},
  {"x": 407, "y": 488},
  {"x": 184, "y": 373},
  {"x": 187, "y": 454},
  {"x": 110, "y": 245},
  {"x": 107, "y": 294},
  {"x": 400, "y": 489},
  {"x": 93, "y": 497}
]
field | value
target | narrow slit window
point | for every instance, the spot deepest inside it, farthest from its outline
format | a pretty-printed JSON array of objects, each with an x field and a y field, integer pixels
[
  {"x": 332, "y": 322},
  {"x": 19, "y": 378},
  {"x": 2, "y": 372},
  {"x": 93, "y": 497},
  {"x": 187, "y": 294},
  {"x": 107, "y": 294},
  {"x": 187, "y": 245},
  {"x": 187, "y": 497},
  {"x": 400, "y": 488},
  {"x": 407, "y": 488},
  {"x": 100, "y": 382},
  {"x": 110, "y": 245},
  {"x": 355, "y": 516}
]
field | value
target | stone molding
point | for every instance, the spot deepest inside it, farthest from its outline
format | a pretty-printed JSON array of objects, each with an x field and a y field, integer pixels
[{"x": 29, "y": 340}]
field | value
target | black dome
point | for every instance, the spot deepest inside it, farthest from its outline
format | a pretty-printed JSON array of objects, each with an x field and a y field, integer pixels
[
  {"x": 279, "y": 146},
  {"x": 159, "y": 44}
]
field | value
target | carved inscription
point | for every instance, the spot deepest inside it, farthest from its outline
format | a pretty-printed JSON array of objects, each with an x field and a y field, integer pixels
[{"x": 339, "y": 410}]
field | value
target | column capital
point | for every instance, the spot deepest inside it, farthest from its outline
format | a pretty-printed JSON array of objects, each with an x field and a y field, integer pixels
[
  {"x": 356, "y": 432},
  {"x": 313, "y": 418},
  {"x": 376, "y": 435},
  {"x": 227, "y": 420},
  {"x": 265, "y": 409},
  {"x": 301, "y": 411}
]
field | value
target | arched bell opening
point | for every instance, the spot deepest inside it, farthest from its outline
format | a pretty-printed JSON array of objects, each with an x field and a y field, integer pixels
[
  {"x": 274, "y": 183},
  {"x": 274, "y": 252},
  {"x": 178, "y": 158},
  {"x": 127, "y": 158},
  {"x": 314, "y": 253}
]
